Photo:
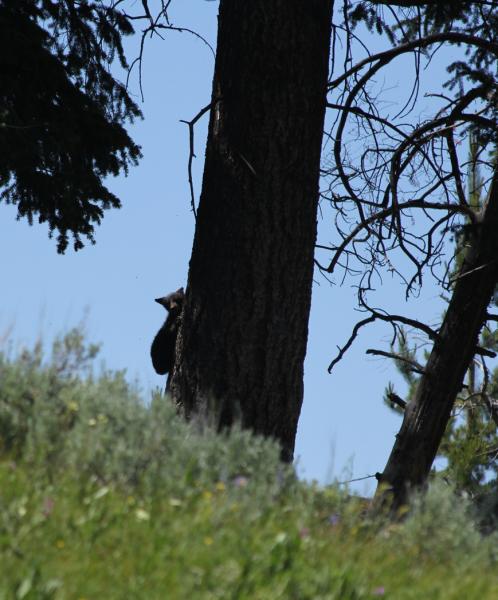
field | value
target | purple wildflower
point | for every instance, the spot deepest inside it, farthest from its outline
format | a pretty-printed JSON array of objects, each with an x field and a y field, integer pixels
[
  {"x": 334, "y": 519},
  {"x": 379, "y": 591},
  {"x": 240, "y": 481},
  {"x": 48, "y": 506}
]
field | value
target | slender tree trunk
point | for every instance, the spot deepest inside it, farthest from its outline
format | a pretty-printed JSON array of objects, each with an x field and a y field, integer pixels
[
  {"x": 242, "y": 343},
  {"x": 427, "y": 415}
]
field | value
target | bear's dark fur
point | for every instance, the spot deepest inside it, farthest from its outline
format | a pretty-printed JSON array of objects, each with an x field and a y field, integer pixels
[{"x": 162, "y": 350}]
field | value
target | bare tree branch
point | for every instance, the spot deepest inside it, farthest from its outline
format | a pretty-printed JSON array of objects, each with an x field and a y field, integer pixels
[
  {"x": 393, "y": 319},
  {"x": 191, "y": 156},
  {"x": 485, "y": 352},
  {"x": 414, "y": 365},
  {"x": 454, "y": 208},
  {"x": 387, "y": 55},
  {"x": 395, "y": 399}
]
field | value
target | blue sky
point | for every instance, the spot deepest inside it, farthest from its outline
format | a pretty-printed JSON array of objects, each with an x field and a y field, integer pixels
[{"x": 143, "y": 250}]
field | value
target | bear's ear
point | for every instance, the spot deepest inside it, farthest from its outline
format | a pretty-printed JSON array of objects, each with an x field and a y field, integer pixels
[
  {"x": 162, "y": 301},
  {"x": 180, "y": 291}
]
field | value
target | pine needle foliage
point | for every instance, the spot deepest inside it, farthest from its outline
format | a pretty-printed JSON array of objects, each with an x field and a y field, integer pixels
[{"x": 62, "y": 113}]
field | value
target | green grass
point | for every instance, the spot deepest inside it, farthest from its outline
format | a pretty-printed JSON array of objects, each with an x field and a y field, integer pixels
[{"x": 104, "y": 497}]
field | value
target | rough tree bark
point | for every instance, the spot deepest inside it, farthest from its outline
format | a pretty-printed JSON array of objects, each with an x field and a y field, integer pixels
[
  {"x": 427, "y": 415},
  {"x": 242, "y": 343}
]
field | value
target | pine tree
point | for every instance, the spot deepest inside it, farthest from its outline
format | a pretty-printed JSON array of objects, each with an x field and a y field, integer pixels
[
  {"x": 62, "y": 112},
  {"x": 470, "y": 444}
]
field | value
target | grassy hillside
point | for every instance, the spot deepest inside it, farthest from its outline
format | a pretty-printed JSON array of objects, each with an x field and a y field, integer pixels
[{"x": 103, "y": 496}]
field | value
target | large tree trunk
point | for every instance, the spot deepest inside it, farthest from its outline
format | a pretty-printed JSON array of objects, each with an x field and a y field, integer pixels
[
  {"x": 242, "y": 343},
  {"x": 427, "y": 415}
]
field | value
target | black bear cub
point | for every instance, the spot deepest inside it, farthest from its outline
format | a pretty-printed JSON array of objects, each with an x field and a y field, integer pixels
[{"x": 162, "y": 350}]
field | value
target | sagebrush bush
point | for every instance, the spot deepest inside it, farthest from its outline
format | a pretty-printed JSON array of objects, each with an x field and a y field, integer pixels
[
  {"x": 441, "y": 524},
  {"x": 105, "y": 495},
  {"x": 59, "y": 415}
]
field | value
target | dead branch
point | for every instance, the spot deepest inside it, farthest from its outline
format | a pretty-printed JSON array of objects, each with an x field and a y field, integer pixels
[
  {"x": 191, "y": 156},
  {"x": 395, "y": 399},
  {"x": 393, "y": 320},
  {"x": 414, "y": 365},
  {"x": 388, "y": 55}
]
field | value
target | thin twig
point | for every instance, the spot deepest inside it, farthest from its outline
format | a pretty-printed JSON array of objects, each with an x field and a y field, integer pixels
[
  {"x": 356, "y": 479},
  {"x": 191, "y": 156},
  {"x": 415, "y": 366}
]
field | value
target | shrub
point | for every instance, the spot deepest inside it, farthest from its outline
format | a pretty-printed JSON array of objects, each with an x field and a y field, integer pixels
[
  {"x": 104, "y": 495},
  {"x": 57, "y": 415}
]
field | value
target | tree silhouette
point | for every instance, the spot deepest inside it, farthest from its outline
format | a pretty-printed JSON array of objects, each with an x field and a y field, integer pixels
[
  {"x": 400, "y": 200},
  {"x": 62, "y": 113}
]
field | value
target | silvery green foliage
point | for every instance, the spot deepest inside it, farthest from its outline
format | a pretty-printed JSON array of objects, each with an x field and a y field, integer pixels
[
  {"x": 441, "y": 525},
  {"x": 60, "y": 415}
]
